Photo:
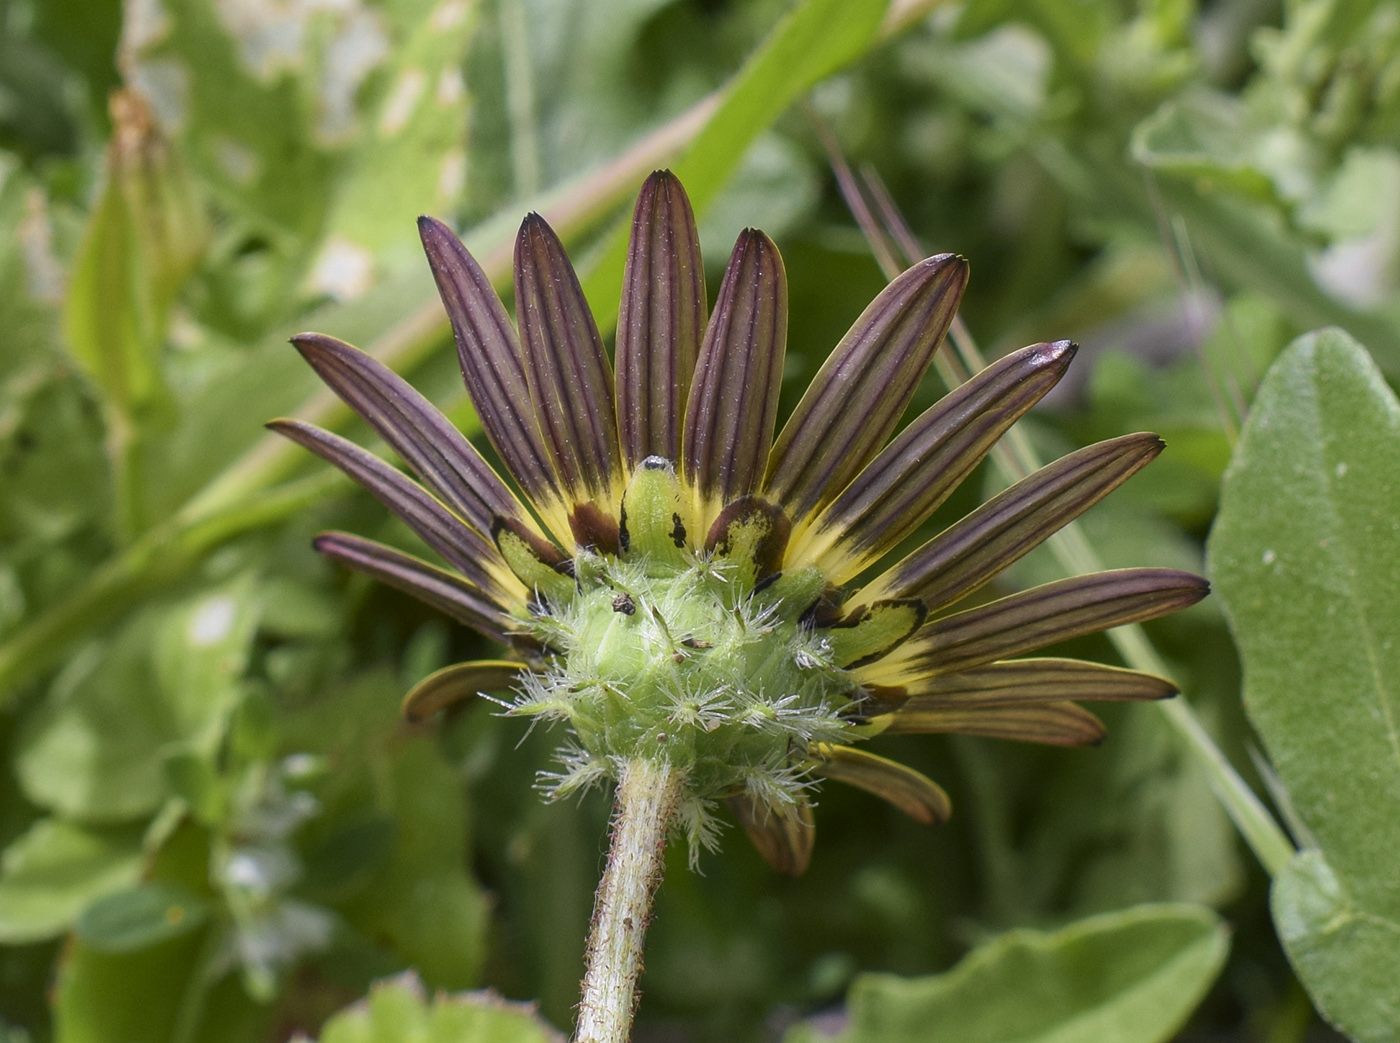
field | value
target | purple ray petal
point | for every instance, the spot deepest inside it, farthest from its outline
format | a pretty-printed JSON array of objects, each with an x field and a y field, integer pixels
[
  {"x": 734, "y": 398},
  {"x": 660, "y": 322},
  {"x": 861, "y": 391},
  {"x": 1034, "y": 681},
  {"x": 491, "y": 361},
  {"x": 927, "y": 460},
  {"x": 425, "y": 439},
  {"x": 1056, "y": 724},
  {"x": 460, "y": 545},
  {"x": 570, "y": 381},
  {"x": 784, "y": 836},
  {"x": 974, "y": 550},
  {"x": 457, "y": 597},
  {"x": 1046, "y": 615}
]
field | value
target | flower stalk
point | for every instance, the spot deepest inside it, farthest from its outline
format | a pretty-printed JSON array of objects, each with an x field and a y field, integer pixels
[{"x": 648, "y": 792}]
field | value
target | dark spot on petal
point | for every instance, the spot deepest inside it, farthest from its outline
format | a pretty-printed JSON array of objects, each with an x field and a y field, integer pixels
[
  {"x": 824, "y": 612},
  {"x": 592, "y": 528},
  {"x": 677, "y": 531}
]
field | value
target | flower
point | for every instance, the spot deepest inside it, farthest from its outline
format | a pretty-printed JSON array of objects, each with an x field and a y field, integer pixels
[{"x": 674, "y": 589}]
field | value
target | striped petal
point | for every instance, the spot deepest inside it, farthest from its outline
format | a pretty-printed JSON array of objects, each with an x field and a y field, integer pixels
[
  {"x": 784, "y": 836},
  {"x": 460, "y": 545},
  {"x": 871, "y": 631},
  {"x": 863, "y": 388},
  {"x": 660, "y": 321},
  {"x": 926, "y": 462},
  {"x": 493, "y": 369},
  {"x": 1056, "y": 724},
  {"x": 734, "y": 397},
  {"x": 571, "y": 383},
  {"x": 1012, "y": 524},
  {"x": 1034, "y": 618},
  {"x": 458, "y": 682},
  {"x": 425, "y": 439},
  {"x": 751, "y": 534},
  {"x": 459, "y": 598},
  {"x": 1035, "y": 681},
  {"x": 912, "y": 792}
]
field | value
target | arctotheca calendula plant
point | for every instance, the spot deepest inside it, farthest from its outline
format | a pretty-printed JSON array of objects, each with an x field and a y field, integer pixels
[{"x": 674, "y": 594}]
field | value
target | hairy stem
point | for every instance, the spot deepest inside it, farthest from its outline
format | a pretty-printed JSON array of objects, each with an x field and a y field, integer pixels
[{"x": 643, "y": 808}]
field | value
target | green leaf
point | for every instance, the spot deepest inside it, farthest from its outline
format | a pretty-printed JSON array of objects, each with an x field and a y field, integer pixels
[
  {"x": 139, "y": 917},
  {"x": 1305, "y": 554},
  {"x": 398, "y": 1009},
  {"x": 55, "y": 869},
  {"x": 95, "y": 749},
  {"x": 391, "y": 850},
  {"x": 422, "y": 901},
  {"x": 814, "y": 40},
  {"x": 145, "y": 996},
  {"x": 1208, "y": 135},
  {"x": 412, "y": 159},
  {"x": 1126, "y": 977}
]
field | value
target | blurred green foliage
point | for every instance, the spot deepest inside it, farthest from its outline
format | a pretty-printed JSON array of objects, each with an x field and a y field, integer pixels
[{"x": 215, "y": 827}]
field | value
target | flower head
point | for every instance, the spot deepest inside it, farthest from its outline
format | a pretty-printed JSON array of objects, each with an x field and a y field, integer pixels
[{"x": 676, "y": 587}]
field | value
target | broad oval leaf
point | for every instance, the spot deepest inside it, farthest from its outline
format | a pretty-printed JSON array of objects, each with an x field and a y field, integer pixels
[
  {"x": 55, "y": 869},
  {"x": 1126, "y": 977},
  {"x": 138, "y": 917},
  {"x": 1306, "y": 552}
]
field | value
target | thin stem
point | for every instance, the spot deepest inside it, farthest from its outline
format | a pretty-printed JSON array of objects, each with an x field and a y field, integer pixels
[{"x": 642, "y": 811}]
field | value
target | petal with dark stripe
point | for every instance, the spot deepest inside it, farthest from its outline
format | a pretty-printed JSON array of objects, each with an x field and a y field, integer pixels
[
  {"x": 425, "y": 439},
  {"x": 462, "y": 600},
  {"x": 1011, "y": 524},
  {"x": 654, "y": 514},
  {"x": 871, "y": 631},
  {"x": 660, "y": 321},
  {"x": 1034, "y": 618},
  {"x": 911, "y": 791},
  {"x": 1035, "y": 681},
  {"x": 751, "y": 534},
  {"x": 459, "y": 544},
  {"x": 734, "y": 397},
  {"x": 571, "y": 383},
  {"x": 861, "y": 391},
  {"x": 536, "y": 562},
  {"x": 458, "y": 682},
  {"x": 784, "y": 835},
  {"x": 493, "y": 369},
  {"x": 1057, "y": 724},
  {"x": 926, "y": 462}
]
